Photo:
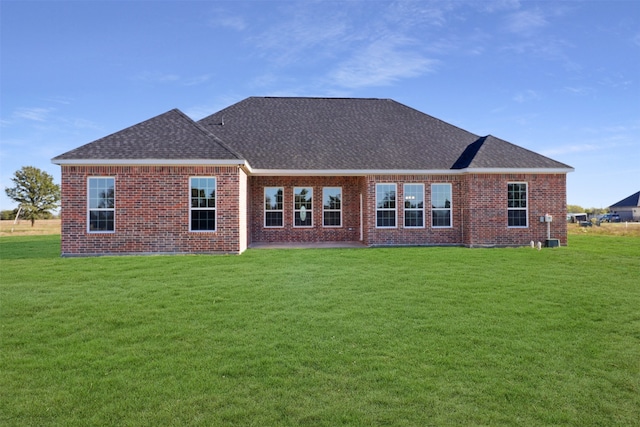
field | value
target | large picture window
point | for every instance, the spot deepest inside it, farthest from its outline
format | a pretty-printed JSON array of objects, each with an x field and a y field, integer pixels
[
  {"x": 101, "y": 203},
  {"x": 303, "y": 207},
  {"x": 413, "y": 205},
  {"x": 332, "y": 206},
  {"x": 273, "y": 207},
  {"x": 203, "y": 204},
  {"x": 441, "y": 205},
  {"x": 386, "y": 205},
  {"x": 517, "y": 211}
]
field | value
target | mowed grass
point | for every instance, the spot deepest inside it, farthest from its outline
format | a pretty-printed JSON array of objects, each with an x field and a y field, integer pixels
[{"x": 322, "y": 337}]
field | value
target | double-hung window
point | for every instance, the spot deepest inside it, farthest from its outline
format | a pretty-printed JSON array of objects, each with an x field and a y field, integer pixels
[
  {"x": 413, "y": 205},
  {"x": 273, "y": 207},
  {"x": 332, "y": 206},
  {"x": 517, "y": 211},
  {"x": 441, "y": 205},
  {"x": 386, "y": 205},
  {"x": 203, "y": 204},
  {"x": 101, "y": 209},
  {"x": 303, "y": 207}
]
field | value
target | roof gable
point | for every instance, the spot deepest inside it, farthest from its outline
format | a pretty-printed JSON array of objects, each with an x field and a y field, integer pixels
[
  {"x": 169, "y": 136},
  {"x": 632, "y": 200},
  {"x": 494, "y": 153}
]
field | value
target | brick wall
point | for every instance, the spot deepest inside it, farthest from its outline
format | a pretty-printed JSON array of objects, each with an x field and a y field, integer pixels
[
  {"x": 413, "y": 236},
  {"x": 479, "y": 210},
  {"x": 485, "y": 215},
  {"x": 349, "y": 231},
  {"x": 151, "y": 211}
]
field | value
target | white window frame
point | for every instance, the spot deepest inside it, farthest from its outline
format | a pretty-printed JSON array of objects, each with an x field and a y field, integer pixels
[
  {"x": 450, "y": 208},
  {"x": 404, "y": 206},
  {"x": 394, "y": 209},
  {"x": 265, "y": 210},
  {"x": 525, "y": 209},
  {"x": 204, "y": 208},
  {"x": 324, "y": 209},
  {"x": 297, "y": 211},
  {"x": 90, "y": 209}
]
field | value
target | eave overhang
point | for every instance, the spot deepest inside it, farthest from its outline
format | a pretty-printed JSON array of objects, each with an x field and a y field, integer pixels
[
  {"x": 148, "y": 162},
  {"x": 302, "y": 172}
]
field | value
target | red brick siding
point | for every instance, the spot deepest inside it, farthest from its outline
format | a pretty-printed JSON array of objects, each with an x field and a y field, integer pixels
[
  {"x": 485, "y": 213},
  {"x": 350, "y": 230},
  {"x": 152, "y": 211},
  {"x": 413, "y": 236}
]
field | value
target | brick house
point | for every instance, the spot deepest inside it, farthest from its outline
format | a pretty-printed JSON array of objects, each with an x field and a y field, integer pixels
[{"x": 304, "y": 170}]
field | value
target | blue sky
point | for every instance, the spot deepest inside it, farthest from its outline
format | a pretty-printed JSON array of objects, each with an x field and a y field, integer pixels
[{"x": 561, "y": 78}]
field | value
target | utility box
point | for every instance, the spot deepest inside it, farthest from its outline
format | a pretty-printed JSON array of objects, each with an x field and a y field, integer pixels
[
  {"x": 548, "y": 218},
  {"x": 552, "y": 243}
]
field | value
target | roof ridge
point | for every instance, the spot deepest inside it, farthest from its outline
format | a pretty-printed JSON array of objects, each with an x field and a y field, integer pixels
[
  {"x": 217, "y": 139},
  {"x": 322, "y": 97}
]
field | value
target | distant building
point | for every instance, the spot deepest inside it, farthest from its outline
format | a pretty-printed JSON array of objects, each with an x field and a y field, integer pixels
[{"x": 628, "y": 209}]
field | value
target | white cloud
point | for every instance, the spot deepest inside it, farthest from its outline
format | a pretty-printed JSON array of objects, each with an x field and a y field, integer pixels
[
  {"x": 525, "y": 21},
  {"x": 577, "y": 90},
  {"x": 157, "y": 77},
  {"x": 304, "y": 38},
  {"x": 225, "y": 20},
  {"x": 526, "y": 96},
  {"x": 35, "y": 114},
  {"x": 194, "y": 81},
  {"x": 569, "y": 149},
  {"x": 381, "y": 63}
]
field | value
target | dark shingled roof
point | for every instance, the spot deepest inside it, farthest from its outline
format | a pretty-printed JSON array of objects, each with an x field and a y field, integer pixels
[
  {"x": 169, "y": 136},
  {"x": 337, "y": 133},
  {"x": 314, "y": 134},
  {"x": 632, "y": 200}
]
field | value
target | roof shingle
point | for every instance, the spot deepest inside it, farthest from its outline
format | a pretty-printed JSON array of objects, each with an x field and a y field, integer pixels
[
  {"x": 169, "y": 136},
  {"x": 313, "y": 134}
]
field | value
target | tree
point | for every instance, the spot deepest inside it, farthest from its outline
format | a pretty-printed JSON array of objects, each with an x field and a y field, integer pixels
[{"x": 35, "y": 191}]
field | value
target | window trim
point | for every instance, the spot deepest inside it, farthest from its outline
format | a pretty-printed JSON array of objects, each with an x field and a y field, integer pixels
[
  {"x": 394, "y": 209},
  {"x": 207, "y": 208},
  {"x": 89, "y": 209},
  {"x": 450, "y": 208},
  {"x": 332, "y": 210},
  {"x": 405, "y": 209},
  {"x": 525, "y": 209},
  {"x": 309, "y": 211},
  {"x": 265, "y": 210}
]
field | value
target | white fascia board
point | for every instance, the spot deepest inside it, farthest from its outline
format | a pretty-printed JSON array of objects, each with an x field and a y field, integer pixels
[
  {"x": 517, "y": 170},
  {"x": 363, "y": 172},
  {"x": 348, "y": 172},
  {"x": 149, "y": 162}
]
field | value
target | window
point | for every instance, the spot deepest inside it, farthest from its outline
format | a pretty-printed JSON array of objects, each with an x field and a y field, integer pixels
[
  {"x": 517, "y": 204},
  {"x": 413, "y": 205},
  {"x": 102, "y": 210},
  {"x": 302, "y": 207},
  {"x": 441, "y": 205},
  {"x": 273, "y": 207},
  {"x": 203, "y": 204},
  {"x": 385, "y": 205},
  {"x": 332, "y": 206}
]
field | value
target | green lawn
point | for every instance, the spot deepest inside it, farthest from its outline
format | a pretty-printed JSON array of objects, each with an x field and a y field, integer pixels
[{"x": 322, "y": 337}]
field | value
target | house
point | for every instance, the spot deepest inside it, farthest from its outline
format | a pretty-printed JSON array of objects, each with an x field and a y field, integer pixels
[
  {"x": 628, "y": 209},
  {"x": 270, "y": 169}
]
